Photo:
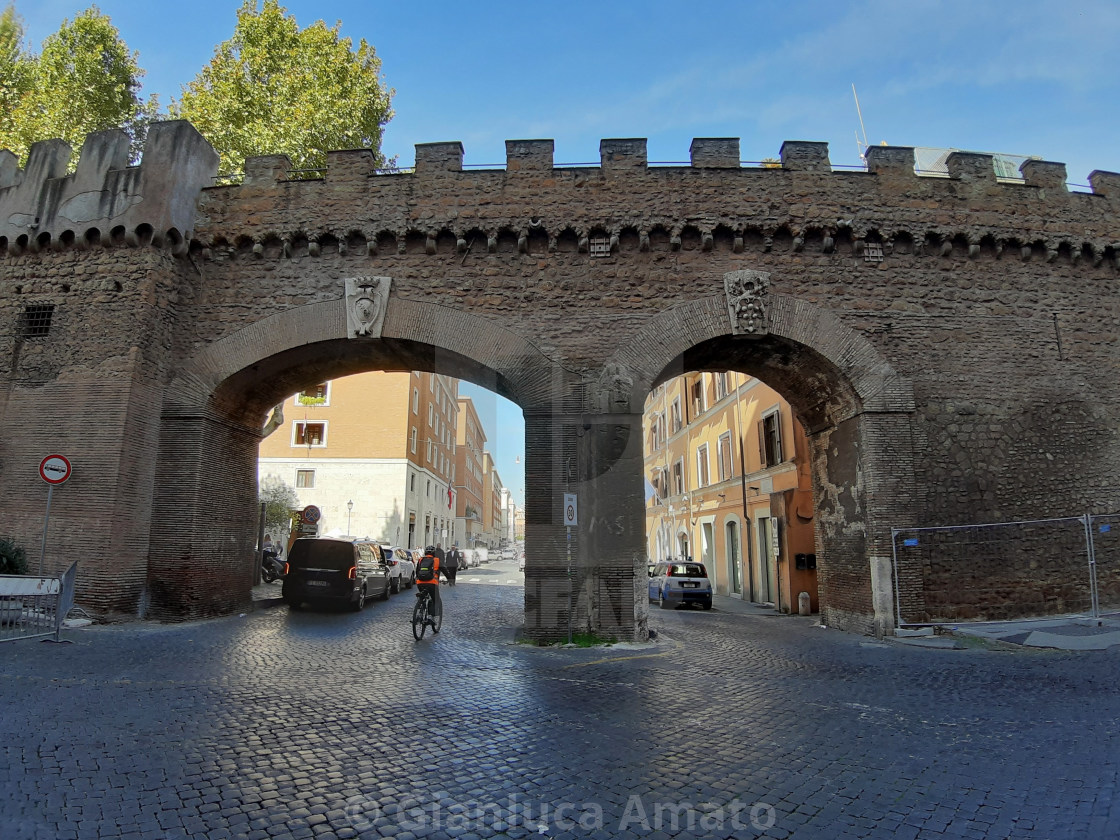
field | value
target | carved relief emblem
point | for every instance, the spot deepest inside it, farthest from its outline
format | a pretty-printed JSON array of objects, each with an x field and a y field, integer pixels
[
  {"x": 366, "y": 299},
  {"x": 615, "y": 387},
  {"x": 747, "y": 294}
]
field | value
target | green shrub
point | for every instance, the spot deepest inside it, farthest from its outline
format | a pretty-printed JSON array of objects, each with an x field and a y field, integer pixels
[{"x": 12, "y": 559}]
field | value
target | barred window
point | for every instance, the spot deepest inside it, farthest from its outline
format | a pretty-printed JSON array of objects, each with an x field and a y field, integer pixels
[{"x": 36, "y": 320}]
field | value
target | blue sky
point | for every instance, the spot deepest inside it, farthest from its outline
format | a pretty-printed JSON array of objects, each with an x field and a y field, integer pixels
[{"x": 1026, "y": 77}]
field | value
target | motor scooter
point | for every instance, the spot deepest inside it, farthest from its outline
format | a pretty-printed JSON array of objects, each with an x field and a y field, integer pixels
[{"x": 272, "y": 567}]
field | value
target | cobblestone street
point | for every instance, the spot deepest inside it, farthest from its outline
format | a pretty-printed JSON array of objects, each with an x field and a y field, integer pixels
[{"x": 282, "y": 724}]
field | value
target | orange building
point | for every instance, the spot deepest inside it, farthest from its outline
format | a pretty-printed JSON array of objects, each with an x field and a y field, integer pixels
[
  {"x": 470, "y": 449},
  {"x": 729, "y": 485},
  {"x": 375, "y": 452}
]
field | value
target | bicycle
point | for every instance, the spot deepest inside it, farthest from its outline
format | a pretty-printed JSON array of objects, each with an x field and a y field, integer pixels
[{"x": 422, "y": 615}]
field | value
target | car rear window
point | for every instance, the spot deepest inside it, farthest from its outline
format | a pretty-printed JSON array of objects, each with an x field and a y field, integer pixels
[
  {"x": 687, "y": 570},
  {"x": 321, "y": 554}
]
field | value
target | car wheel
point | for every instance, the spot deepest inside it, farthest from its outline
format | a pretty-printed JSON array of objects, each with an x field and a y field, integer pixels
[
  {"x": 361, "y": 602},
  {"x": 385, "y": 594},
  {"x": 661, "y": 602},
  {"x": 411, "y": 581},
  {"x": 395, "y": 585},
  {"x": 708, "y": 604}
]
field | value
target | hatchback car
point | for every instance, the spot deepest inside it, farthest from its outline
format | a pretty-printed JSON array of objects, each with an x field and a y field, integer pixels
[
  {"x": 673, "y": 584},
  {"x": 326, "y": 570}
]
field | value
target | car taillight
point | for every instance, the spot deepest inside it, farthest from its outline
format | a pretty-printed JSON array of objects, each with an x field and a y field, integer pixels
[
  {"x": 285, "y": 568},
  {"x": 353, "y": 573}
]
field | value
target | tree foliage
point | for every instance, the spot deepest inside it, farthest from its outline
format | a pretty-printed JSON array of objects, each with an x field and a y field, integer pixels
[
  {"x": 274, "y": 88},
  {"x": 280, "y": 500},
  {"x": 85, "y": 79}
]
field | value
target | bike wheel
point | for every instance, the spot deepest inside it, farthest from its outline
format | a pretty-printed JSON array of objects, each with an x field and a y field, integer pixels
[
  {"x": 419, "y": 618},
  {"x": 437, "y": 621}
]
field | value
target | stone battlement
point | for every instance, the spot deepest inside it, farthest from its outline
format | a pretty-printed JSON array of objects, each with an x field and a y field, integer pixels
[{"x": 105, "y": 199}]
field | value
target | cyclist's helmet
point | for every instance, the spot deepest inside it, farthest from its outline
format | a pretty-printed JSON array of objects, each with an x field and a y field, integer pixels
[{"x": 429, "y": 549}]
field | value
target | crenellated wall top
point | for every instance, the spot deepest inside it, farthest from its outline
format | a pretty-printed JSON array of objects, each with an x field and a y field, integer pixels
[{"x": 43, "y": 206}]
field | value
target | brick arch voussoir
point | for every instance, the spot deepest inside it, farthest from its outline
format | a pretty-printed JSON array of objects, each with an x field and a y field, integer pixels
[
  {"x": 530, "y": 378},
  {"x": 875, "y": 383}
]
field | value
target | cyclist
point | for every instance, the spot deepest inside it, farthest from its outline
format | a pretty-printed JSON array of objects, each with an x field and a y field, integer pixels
[{"x": 430, "y": 561}]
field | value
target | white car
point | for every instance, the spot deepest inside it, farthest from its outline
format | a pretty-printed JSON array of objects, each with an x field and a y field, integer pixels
[
  {"x": 521, "y": 564},
  {"x": 402, "y": 570}
]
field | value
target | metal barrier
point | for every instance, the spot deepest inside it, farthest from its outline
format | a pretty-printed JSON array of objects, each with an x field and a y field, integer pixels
[
  {"x": 31, "y": 607},
  {"x": 1004, "y": 570},
  {"x": 1105, "y": 541}
]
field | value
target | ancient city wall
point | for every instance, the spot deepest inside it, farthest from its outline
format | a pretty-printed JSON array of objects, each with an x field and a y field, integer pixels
[{"x": 994, "y": 301}]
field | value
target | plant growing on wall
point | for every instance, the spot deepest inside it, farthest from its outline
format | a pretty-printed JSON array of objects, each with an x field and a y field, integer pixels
[
  {"x": 12, "y": 559},
  {"x": 308, "y": 399}
]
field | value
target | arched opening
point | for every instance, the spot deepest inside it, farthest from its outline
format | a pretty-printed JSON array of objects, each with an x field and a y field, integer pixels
[
  {"x": 852, "y": 414},
  {"x": 205, "y": 496}
]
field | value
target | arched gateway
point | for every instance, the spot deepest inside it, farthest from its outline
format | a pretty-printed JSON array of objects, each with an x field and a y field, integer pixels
[{"x": 949, "y": 344}]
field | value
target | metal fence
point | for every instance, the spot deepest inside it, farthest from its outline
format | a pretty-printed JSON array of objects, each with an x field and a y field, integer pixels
[
  {"x": 1007, "y": 570},
  {"x": 31, "y": 607}
]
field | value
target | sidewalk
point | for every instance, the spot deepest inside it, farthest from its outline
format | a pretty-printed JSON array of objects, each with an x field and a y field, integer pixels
[{"x": 1070, "y": 632}]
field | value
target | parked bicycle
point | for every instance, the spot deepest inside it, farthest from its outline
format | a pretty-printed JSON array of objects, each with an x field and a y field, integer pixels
[{"x": 424, "y": 614}]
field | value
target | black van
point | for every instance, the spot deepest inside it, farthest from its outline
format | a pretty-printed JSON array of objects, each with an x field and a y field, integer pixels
[{"x": 325, "y": 570}]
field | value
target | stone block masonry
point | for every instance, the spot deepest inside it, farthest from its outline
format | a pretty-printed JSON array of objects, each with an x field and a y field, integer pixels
[{"x": 948, "y": 342}]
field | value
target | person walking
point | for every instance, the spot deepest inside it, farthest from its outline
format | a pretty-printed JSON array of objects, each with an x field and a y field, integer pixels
[{"x": 451, "y": 564}]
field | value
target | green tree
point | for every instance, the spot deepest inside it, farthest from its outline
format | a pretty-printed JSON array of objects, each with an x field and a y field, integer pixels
[
  {"x": 16, "y": 68},
  {"x": 280, "y": 500},
  {"x": 274, "y": 88},
  {"x": 84, "y": 80}
]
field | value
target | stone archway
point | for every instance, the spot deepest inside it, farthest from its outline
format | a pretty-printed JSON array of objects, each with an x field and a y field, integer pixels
[
  {"x": 204, "y": 507},
  {"x": 856, "y": 410}
]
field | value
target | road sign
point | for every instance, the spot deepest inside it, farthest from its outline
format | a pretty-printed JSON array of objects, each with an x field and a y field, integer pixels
[
  {"x": 54, "y": 469},
  {"x": 570, "y": 510},
  {"x": 311, "y": 514}
]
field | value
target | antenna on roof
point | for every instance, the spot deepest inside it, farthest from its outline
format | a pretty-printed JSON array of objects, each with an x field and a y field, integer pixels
[{"x": 859, "y": 146}]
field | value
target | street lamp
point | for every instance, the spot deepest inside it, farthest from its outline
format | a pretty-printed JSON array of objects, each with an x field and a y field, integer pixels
[{"x": 349, "y": 507}]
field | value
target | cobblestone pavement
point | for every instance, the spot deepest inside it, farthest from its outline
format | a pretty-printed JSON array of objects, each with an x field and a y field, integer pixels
[{"x": 734, "y": 723}]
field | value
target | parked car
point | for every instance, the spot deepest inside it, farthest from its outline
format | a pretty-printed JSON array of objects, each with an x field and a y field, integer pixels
[
  {"x": 673, "y": 584},
  {"x": 402, "y": 570},
  {"x": 521, "y": 564},
  {"x": 407, "y": 566},
  {"x": 508, "y": 554},
  {"x": 327, "y": 570}
]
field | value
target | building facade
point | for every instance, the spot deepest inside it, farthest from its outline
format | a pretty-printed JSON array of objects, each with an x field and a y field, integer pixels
[
  {"x": 375, "y": 452},
  {"x": 729, "y": 484},
  {"x": 470, "y": 439}
]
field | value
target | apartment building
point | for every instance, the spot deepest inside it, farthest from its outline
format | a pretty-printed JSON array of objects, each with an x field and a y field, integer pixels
[
  {"x": 728, "y": 484},
  {"x": 470, "y": 439},
  {"x": 376, "y": 453}
]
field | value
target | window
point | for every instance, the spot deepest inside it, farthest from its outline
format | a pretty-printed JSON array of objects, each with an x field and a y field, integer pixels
[
  {"x": 678, "y": 477},
  {"x": 428, "y": 489},
  {"x": 726, "y": 468},
  {"x": 36, "y": 321},
  {"x": 702, "y": 466},
  {"x": 412, "y": 440},
  {"x": 412, "y": 483},
  {"x": 429, "y": 442},
  {"x": 415, "y": 400},
  {"x": 663, "y": 484},
  {"x": 305, "y": 478},
  {"x": 770, "y": 439},
  {"x": 317, "y": 395},
  {"x": 698, "y": 401},
  {"x": 431, "y": 414},
  {"x": 675, "y": 411},
  {"x": 309, "y": 434},
  {"x": 723, "y": 387}
]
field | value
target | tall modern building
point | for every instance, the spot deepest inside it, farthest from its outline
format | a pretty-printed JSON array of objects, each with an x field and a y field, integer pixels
[
  {"x": 376, "y": 453},
  {"x": 729, "y": 484}
]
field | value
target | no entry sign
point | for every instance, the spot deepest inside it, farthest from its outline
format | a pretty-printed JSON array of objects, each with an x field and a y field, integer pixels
[{"x": 55, "y": 469}]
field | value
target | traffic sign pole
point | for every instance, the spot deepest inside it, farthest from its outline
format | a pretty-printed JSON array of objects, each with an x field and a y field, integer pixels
[
  {"x": 46, "y": 522},
  {"x": 54, "y": 469}
]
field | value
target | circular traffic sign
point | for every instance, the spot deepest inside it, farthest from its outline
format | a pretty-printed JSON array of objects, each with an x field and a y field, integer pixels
[
  {"x": 311, "y": 514},
  {"x": 54, "y": 469}
]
